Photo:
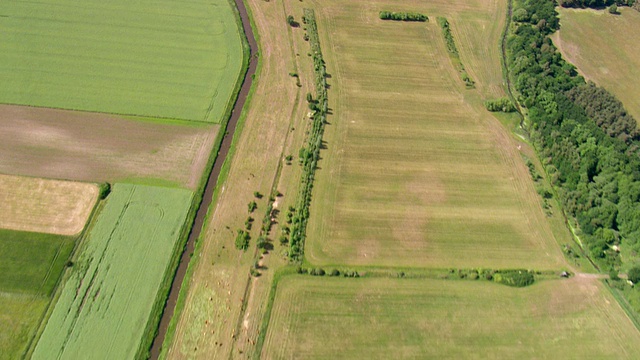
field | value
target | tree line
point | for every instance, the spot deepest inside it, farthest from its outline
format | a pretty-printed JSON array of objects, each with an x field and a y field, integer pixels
[{"x": 310, "y": 153}]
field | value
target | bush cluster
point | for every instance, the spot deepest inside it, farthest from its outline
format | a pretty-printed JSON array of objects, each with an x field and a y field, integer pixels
[
  {"x": 515, "y": 278},
  {"x": 503, "y": 104},
  {"x": 403, "y": 16}
]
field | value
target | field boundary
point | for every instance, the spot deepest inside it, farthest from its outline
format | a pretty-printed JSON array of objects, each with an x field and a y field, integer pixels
[
  {"x": 224, "y": 172},
  {"x": 66, "y": 272}
]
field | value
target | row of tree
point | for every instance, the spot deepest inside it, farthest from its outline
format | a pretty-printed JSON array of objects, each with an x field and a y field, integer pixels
[
  {"x": 403, "y": 16},
  {"x": 597, "y": 4},
  {"x": 586, "y": 140},
  {"x": 310, "y": 154}
]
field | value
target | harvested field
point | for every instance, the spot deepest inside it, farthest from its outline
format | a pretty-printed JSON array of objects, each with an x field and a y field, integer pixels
[
  {"x": 95, "y": 147},
  {"x": 170, "y": 59},
  {"x": 417, "y": 172},
  {"x": 106, "y": 303},
  {"x": 46, "y": 206},
  {"x": 338, "y": 318},
  {"x": 604, "y": 48}
]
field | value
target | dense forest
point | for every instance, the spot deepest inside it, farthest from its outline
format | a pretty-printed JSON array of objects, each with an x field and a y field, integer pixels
[
  {"x": 597, "y": 4},
  {"x": 587, "y": 141}
]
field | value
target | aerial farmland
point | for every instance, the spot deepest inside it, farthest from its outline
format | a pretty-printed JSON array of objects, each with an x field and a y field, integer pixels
[{"x": 285, "y": 179}]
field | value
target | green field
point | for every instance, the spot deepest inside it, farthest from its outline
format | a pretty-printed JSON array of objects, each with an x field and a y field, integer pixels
[
  {"x": 604, "y": 48},
  {"x": 417, "y": 172},
  {"x": 29, "y": 270},
  {"x": 20, "y": 315},
  {"x": 105, "y": 305},
  {"x": 173, "y": 59},
  {"x": 32, "y": 262},
  {"x": 338, "y": 318}
]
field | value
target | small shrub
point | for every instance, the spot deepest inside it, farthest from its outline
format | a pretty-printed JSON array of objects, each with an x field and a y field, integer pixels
[
  {"x": 242, "y": 240},
  {"x": 252, "y": 206},
  {"x": 104, "y": 190},
  {"x": 634, "y": 275},
  {"x": 257, "y": 194},
  {"x": 334, "y": 272}
]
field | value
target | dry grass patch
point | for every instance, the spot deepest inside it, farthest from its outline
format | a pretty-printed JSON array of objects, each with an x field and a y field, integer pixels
[
  {"x": 97, "y": 147},
  {"x": 338, "y": 318},
  {"x": 605, "y": 49},
  {"x": 417, "y": 173},
  {"x": 47, "y": 206}
]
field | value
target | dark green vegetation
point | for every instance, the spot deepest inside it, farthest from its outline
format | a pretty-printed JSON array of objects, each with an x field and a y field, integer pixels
[
  {"x": 584, "y": 137},
  {"x": 453, "y": 51},
  {"x": 32, "y": 262},
  {"x": 403, "y": 16},
  {"x": 598, "y": 4},
  {"x": 503, "y": 104},
  {"x": 29, "y": 272},
  {"x": 310, "y": 154}
]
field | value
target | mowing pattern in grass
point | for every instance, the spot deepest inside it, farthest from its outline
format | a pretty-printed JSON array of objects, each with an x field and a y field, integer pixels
[
  {"x": 175, "y": 59},
  {"x": 417, "y": 173},
  {"x": 48, "y": 206},
  {"x": 605, "y": 49},
  {"x": 105, "y": 305},
  {"x": 337, "y": 318}
]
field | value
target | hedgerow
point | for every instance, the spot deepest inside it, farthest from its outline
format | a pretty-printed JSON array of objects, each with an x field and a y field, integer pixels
[
  {"x": 403, "y": 16},
  {"x": 453, "y": 52},
  {"x": 310, "y": 154}
]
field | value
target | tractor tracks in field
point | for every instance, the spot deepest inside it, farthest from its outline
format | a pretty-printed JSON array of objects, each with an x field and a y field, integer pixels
[{"x": 211, "y": 183}]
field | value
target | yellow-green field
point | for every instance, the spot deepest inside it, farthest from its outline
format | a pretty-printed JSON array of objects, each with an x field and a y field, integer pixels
[
  {"x": 105, "y": 306},
  {"x": 172, "y": 59},
  {"x": 341, "y": 318},
  {"x": 20, "y": 315},
  {"x": 47, "y": 206},
  {"x": 604, "y": 48},
  {"x": 417, "y": 172}
]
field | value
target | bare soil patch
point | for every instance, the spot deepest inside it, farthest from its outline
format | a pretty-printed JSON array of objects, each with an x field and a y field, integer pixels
[{"x": 97, "y": 147}]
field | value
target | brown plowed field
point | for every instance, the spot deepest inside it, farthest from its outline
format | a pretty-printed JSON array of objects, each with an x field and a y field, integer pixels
[{"x": 96, "y": 147}]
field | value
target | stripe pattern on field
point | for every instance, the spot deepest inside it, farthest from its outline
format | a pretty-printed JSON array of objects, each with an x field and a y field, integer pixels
[
  {"x": 416, "y": 174},
  {"x": 378, "y": 318},
  {"x": 104, "y": 307},
  {"x": 173, "y": 59}
]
